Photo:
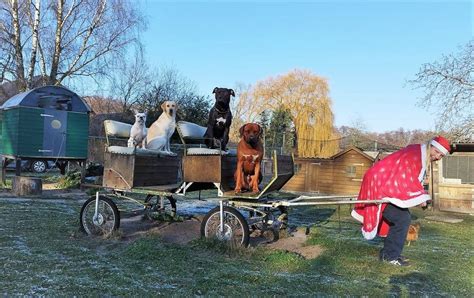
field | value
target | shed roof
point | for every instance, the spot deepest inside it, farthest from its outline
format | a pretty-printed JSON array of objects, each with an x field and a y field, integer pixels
[
  {"x": 368, "y": 156},
  {"x": 41, "y": 96},
  {"x": 463, "y": 147}
]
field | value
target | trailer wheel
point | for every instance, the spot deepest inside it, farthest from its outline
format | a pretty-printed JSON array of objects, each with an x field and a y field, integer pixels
[
  {"x": 235, "y": 232},
  {"x": 106, "y": 221}
]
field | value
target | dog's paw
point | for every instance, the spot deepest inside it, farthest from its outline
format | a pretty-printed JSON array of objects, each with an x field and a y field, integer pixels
[
  {"x": 131, "y": 143},
  {"x": 255, "y": 191},
  {"x": 238, "y": 190}
]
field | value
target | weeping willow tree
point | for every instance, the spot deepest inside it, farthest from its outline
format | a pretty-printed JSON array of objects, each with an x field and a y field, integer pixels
[{"x": 306, "y": 96}]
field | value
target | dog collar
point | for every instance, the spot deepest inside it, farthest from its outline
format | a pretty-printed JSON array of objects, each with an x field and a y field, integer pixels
[{"x": 220, "y": 111}]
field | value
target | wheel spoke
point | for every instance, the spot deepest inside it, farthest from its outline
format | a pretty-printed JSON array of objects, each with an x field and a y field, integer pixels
[
  {"x": 105, "y": 221},
  {"x": 233, "y": 231}
]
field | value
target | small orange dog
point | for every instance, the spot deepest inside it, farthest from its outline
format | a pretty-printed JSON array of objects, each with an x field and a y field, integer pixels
[
  {"x": 413, "y": 232},
  {"x": 249, "y": 157}
]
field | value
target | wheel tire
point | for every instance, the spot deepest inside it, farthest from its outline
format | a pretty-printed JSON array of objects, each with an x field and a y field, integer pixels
[
  {"x": 236, "y": 231},
  {"x": 108, "y": 217},
  {"x": 38, "y": 166}
]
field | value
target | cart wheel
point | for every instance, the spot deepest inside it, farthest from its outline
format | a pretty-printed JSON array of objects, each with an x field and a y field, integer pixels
[
  {"x": 236, "y": 229},
  {"x": 107, "y": 220}
]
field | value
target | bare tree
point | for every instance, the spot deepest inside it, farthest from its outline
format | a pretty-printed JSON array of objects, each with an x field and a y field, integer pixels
[
  {"x": 62, "y": 39},
  {"x": 449, "y": 89},
  {"x": 169, "y": 84},
  {"x": 130, "y": 80}
]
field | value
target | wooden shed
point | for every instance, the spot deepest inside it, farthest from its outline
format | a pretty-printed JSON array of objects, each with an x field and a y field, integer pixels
[
  {"x": 453, "y": 180},
  {"x": 49, "y": 122},
  {"x": 341, "y": 174}
]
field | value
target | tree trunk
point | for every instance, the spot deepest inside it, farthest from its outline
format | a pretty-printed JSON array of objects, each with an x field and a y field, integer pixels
[
  {"x": 57, "y": 43},
  {"x": 34, "y": 43},
  {"x": 26, "y": 186},
  {"x": 20, "y": 71}
]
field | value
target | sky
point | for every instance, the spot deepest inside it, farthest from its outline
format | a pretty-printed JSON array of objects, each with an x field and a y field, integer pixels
[{"x": 367, "y": 50}]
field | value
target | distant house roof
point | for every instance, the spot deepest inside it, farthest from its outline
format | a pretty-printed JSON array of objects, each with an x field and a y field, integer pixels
[
  {"x": 41, "y": 96},
  {"x": 373, "y": 154},
  {"x": 363, "y": 153}
]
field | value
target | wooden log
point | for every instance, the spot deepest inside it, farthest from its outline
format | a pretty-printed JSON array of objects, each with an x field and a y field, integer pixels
[{"x": 26, "y": 186}]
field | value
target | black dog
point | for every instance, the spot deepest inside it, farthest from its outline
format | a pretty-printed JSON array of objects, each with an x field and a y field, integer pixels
[{"x": 220, "y": 119}]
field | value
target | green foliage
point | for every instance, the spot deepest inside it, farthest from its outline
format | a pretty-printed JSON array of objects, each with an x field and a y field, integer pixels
[
  {"x": 280, "y": 133},
  {"x": 194, "y": 108},
  {"x": 52, "y": 178},
  {"x": 170, "y": 85},
  {"x": 264, "y": 120},
  {"x": 8, "y": 183},
  {"x": 70, "y": 180}
]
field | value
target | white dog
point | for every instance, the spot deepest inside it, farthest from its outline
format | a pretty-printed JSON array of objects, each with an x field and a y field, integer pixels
[
  {"x": 138, "y": 131},
  {"x": 162, "y": 129}
]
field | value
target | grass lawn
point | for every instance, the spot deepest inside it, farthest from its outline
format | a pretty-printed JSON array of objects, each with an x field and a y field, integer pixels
[{"x": 42, "y": 253}]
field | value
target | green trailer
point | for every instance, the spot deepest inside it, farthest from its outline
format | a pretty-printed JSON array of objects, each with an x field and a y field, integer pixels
[{"x": 46, "y": 123}]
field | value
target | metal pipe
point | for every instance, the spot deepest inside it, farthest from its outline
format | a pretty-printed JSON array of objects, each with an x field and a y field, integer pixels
[
  {"x": 96, "y": 206},
  {"x": 327, "y": 197},
  {"x": 291, "y": 204},
  {"x": 311, "y": 203},
  {"x": 301, "y": 198},
  {"x": 221, "y": 213}
]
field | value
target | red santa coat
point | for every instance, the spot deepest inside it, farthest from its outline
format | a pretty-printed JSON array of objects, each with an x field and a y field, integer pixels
[{"x": 396, "y": 178}]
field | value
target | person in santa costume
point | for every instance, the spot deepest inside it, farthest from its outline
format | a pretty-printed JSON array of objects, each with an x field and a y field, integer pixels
[{"x": 398, "y": 178}]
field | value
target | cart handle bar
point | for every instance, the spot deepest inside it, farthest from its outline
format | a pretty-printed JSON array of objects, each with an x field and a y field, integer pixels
[{"x": 291, "y": 204}]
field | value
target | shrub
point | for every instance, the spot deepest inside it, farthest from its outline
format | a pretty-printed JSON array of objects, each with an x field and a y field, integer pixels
[{"x": 70, "y": 180}]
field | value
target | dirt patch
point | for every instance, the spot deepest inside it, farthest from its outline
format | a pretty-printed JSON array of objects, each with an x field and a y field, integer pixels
[
  {"x": 296, "y": 243},
  {"x": 170, "y": 232},
  {"x": 188, "y": 230}
]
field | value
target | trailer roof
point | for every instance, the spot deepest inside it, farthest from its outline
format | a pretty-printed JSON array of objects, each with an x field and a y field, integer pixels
[{"x": 36, "y": 97}]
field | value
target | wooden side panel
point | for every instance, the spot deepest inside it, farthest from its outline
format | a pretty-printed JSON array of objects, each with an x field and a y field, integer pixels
[
  {"x": 202, "y": 168},
  {"x": 118, "y": 170},
  {"x": 456, "y": 197},
  {"x": 128, "y": 171},
  {"x": 150, "y": 170}
]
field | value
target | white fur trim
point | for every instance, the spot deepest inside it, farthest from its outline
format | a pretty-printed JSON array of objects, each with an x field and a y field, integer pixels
[
  {"x": 397, "y": 202},
  {"x": 369, "y": 235},
  {"x": 357, "y": 216},
  {"x": 411, "y": 202},
  {"x": 423, "y": 163},
  {"x": 439, "y": 147}
]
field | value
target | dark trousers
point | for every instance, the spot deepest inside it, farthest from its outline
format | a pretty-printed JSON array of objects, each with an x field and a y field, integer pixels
[{"x": 399, "y": 220}]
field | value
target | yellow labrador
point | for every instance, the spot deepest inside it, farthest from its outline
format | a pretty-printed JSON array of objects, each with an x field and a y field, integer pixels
[{"x": 160, "y": 132}]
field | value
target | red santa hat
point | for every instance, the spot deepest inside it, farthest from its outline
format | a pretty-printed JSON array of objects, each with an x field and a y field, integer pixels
[{"x": 442, "y": 144}]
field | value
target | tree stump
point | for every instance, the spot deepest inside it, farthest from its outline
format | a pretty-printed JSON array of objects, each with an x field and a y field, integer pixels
[{"x": 26, "y": 186}]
